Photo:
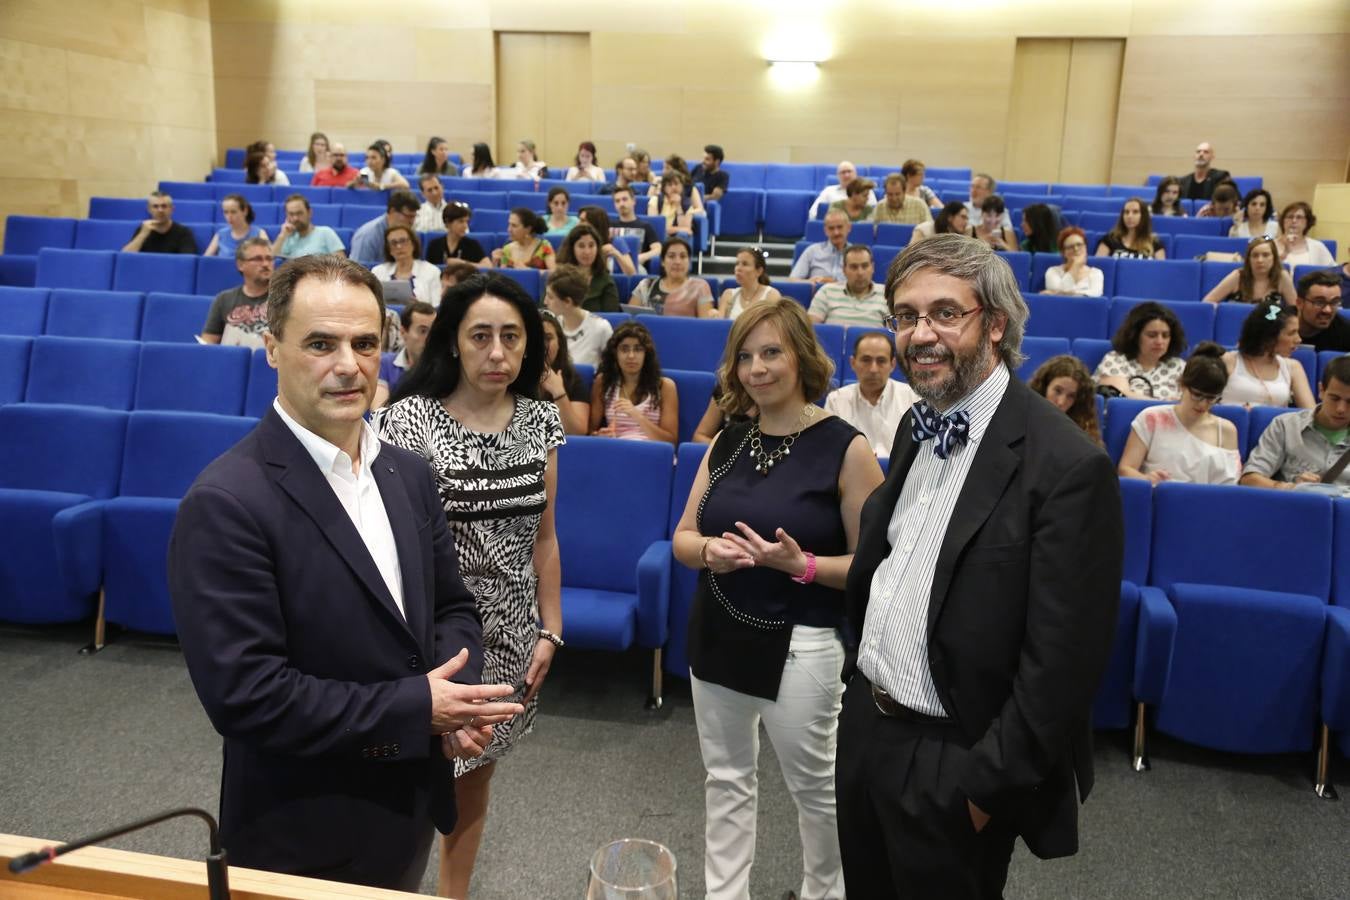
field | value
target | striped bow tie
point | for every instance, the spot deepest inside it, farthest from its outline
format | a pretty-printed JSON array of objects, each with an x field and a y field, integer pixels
[{"x": 951, "y": 431}]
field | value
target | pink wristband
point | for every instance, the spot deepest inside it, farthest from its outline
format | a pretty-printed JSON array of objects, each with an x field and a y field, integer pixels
[{"x": 810, "y": 574}]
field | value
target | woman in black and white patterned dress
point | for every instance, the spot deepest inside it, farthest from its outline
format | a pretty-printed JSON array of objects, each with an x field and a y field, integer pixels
[{"x": 469, "y": 408}]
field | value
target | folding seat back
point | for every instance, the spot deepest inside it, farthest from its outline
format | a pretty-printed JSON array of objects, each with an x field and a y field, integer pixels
[
  {"x": 1084, "y": 191},
  {"x": 192, "y": 378},
  {"x": 215, "y": 274},
  {"x": 694, "y": 390},
  {"x": 1037, "y": 350},
  {"x": 1023, "y": 187},
  {"x": 265, "y": 216},
  {"x": 1096, "y": 221},
  {"x": 174, "y": 318},
  {"x": 84, "y": 371},
  {"x": 166, "y": 451},
  {"x": 800, "y": 291},
  {"x": 948, "y": 173},
  {"x": 742, "y": 210},
  {"x": 95, "y": 314},
  {"x": 355, "y": 216},
  {"x": 1120, "y": 415},
  {"x": 15, "y": 351},
  {"x": 1340, "y": 588},
  {"x": 1020, "y": 263},
  {"x": 686, "y": 343},
  {"x": 894, "y": 235},
  {"x": 315, "y": 195},
  {"x": 262, "y": 386},
  {"x": 1259, "y": 419},
  {"x": 104, "y": 234},
  {"x": 1197, "y": 319},
  {"x": 1108, "y": 205},
  {"x": 882, "y": 257},
  {"x": 745, "y": 176},
  {"x": 785, "y": 212},
  {"x": 492, "y": 220},
  {"x": 683, "y": 580},
  {"x": 173, "y": 273},
  {"x": 197, "y": 211},
  {"x": 1179, "y": 226},
  {"x": 831, "y": 340},
  {"x": 1158, "y": 279},
  {"x": 29, "y": 234},
  {"x": 23, "y": 310},
  {"x": 120, "y": 209},
  {"x": 63, "y": 449},
  {"x": 529, "y": 279},
  {"x": 253, "y": 193},
  {"x": 188, "y": 190},
  {"x": 1091, "y": 351},
  {"x": 1212, "y": 272},
  {"x": 482, "y": 199},
  {"x": 1228, "y": 319},
  {"x": 539, "y": 202},
  {"x": 789, "y": 177},
  {"x": 1189, "y": 246},
  {"x": 1067, "y": 317}
]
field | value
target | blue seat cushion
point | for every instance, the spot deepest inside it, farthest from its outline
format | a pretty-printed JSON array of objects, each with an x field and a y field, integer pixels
[
  {"x": 135, "y": 551},
  {"x": 32, "y": 589},
  {"x": 599, "y": 620}
]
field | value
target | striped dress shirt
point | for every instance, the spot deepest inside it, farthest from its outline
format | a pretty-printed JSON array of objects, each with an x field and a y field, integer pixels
[{"x": 894, "y": 650}]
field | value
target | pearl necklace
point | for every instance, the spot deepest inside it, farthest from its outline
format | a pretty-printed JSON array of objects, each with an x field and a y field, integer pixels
[{"x": 764, "y": 462}]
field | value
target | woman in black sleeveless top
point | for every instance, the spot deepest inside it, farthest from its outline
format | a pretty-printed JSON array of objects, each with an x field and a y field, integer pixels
[{"x": 772, "y": 521}]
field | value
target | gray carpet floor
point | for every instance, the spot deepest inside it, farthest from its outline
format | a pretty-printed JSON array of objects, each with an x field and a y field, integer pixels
[{"x": 87, "y": 742}]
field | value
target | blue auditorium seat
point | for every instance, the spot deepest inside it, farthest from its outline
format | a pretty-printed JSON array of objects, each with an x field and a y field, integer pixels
[
  {"x": 831, "y": 340},
  {"x": 1020, "y": 263},
  {"x": 1096, "y": 222},
  {"x": 253, "y": 193},
  {"x": 84, "y": 371},
  {"x": 785, "y": 212},
  {"x": 329, "y": 214},
  {"x": 1212, "y": 272},
  {"x": 1037, "y": 350},
  {"x": 491, "y": 220},
  {"x": 1259, "y": 419},
  {"x": 173, "y": 318},
  {"x": 860, "y": 233},
  {"x": 479, "y": 200},
  {"x": 1113, "y": 704},
  {"x": 745, "y": 176},
  {"x": 86, "y": 269},
  {"x": 694, "y": 390},
  {"x": 104, "y": 234},
  {"x": 1246, "y": 656},
  {"x": 1101, "y": 204},
  {"x": 18, "y": 270},
  {"x": 1179, "y": 226},
  {"x": 1196, "y": 318},
  {"x": 683, "y": 580},
  {"x": 121, "y": 209},
  {"x": 188, "y": 190},
  {"x": 894, "y": 235},
  {"x": 192, "y": 378},
  {"x": 800, "y": 291},
  {"x": 215, "y": 274},
  {"x": 23, "y": 311},
  {"x": 530, "y": 279},
  {"x": 15, "y": 350},
  {"x": 315, "y": 195},
  {"x": 742, "y": 210},
  {"x": 537, "y": 201},
  {"x": 882, "y": 257},
  {"x": 687, "y": 343},
  {"x": 95, "y": 314},
  {"x": 356, "y": 216},
  {"x": 1158, "y": 279},
  {"x": 1228, "y": 319},
  {"x": 1044, "y": 262},
  {"x": 1091, "y": 351},
  {"x": 1189, "y": 246},
  {"x": 29, "y": 234},
  {"x": 1121, "y": 412},
  {"x": 174, "y": 273},
  {"x": 1067, "y": 317},
  {"x": 615, "y": 561},
  {"x": 1323, "y": 360},
  {"x": 262, "y": 386},
  {"x": 53, "y": 461},
  {"x": 1335, "y": 707},
  {"x": 790, "y": 177}
]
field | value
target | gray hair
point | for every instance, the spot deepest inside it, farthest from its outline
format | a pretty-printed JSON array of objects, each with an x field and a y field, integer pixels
[
  {"x": 974, "y": 262},
  {"x": 989, "y": 180},
  {"x": 323, "y": 267},
  {"x": 241, "y": 249}
]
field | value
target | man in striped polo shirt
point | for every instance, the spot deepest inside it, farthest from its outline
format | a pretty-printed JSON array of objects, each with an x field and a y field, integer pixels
[{"x": 858, "y": 300}]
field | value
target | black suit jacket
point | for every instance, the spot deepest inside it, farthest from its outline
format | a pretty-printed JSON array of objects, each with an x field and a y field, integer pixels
[
  {"x": 1203, "y": 190},
  {"x": 1022, "y": 610},
  {"x": 305, "y": 665}
]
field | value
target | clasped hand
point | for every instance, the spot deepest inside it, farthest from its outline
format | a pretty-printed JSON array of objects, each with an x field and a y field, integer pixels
[
  {"x": 741, "y": 551},
  {"x": 463, "y": 714}
]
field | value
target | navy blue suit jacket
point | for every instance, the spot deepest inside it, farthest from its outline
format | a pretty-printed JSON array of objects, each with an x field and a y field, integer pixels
[{"x": 305, "y": 665}]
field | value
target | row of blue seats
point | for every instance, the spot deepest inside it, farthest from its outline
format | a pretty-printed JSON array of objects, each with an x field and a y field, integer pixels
[{"x": 108, "y": 270}]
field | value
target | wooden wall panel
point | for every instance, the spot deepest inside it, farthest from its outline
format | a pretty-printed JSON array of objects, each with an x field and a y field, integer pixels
[
  {"x": 1090, "y": 111},
  {"x": 1036, "y": 109}
]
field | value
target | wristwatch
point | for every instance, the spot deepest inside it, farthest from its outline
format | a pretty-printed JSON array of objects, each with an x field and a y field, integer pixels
[{"x": 552, "y": 638}]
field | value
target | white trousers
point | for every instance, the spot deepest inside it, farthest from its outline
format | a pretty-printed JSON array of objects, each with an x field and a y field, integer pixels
[{"x": 803, "y": 725}]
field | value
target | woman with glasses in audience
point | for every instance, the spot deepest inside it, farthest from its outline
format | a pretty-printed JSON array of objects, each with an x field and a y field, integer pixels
[
  {"x": 1261, "y": 371},
  {"x": 560, "y": 382},
  {"x": 259, "y": 168},
  {"x": 630, "y": 398},
  {"x": 771, "y": 523},
  {"x": 990, "y": 228},
  {"x": 403, "y": 262},
  {"x": 527, "y": 163},
  {"x": 437, "y": 159},
  {"x": 316, "y": 157},
  {"x": 1296, "y": 248},
  {"x": 914, "y": 171},
  {"x": 1074, "y": 277},
  {"x": 1066, "y": 383},
  {"x": 1039, "y": 228},
  {"x": 480, "y": 163},
  {"x": 671, "y": 203},
  {"x": 586, "y": 168},
  {"x": 1145, "y": 358},
  {"x": 581, "y": 248},
  {"x": 953, "y": 219},
  {"x": 1167, "y": 198},
  {"x": 379, "y": 174},
  {"x": 1185, "y": 441},
  {"x": 470, "y": 407},
  {"x": 527, "y": 248},
  {"x": 1261, "y": 279},
  {"x": 456, "y": 243},
  {"x": 675, "y": 292},
  {"x": 1256, "y": 219},
  {"x": 559, "y": 220},
  {"x": 752, "y": 284},
  {"x": 1132, "y": 236},
  {"x": 238, "y": 226}
]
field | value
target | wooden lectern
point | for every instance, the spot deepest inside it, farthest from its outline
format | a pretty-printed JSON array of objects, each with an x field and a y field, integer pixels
[{"x": 103, "y": 872}]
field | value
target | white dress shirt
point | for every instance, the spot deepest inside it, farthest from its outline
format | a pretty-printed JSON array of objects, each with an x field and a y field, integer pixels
[
  {"x": 894, "y": 649},
  {"x": 359, "y": 495},
  {"x": 429, "y": 217},
  {"x": 877, "y": 421},
  {"x": 833, "y": 193}
]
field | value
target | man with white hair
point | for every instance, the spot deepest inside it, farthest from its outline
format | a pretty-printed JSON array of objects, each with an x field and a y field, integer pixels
[{"x": 834, "y": 193}]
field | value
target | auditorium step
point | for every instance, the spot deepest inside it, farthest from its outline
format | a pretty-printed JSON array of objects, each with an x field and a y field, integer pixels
[{"x": 778, "y": 258}]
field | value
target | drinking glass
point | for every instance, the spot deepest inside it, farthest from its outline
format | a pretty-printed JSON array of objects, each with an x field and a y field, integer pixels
[{"x": 632, "y": 869}]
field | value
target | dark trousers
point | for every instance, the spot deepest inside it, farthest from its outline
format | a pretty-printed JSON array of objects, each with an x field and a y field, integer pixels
[{"x": 904, "y": 826}]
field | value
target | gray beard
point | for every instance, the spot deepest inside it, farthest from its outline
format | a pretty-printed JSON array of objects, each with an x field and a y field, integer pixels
[{"x": 968, "y": 370}]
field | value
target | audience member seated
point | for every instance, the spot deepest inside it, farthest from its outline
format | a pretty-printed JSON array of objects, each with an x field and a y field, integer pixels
[
  {"x": 954, "y": 218},
  {"x": 455, "y": 243},
  {"x": 1167, "y": 199},
  {"x": 403, "y": 262},
  {"x": 336, "y": 173},
  {"x": 581, "y": 248},
  {"x": 586, "y": 168},
  {"x": 1145, "y": 358},
  {"x": 625, "y": 176},
  {"x": 646, "y": 178},
  {"x": 379, "y": 174},
  {"x": 1185, "y": 441},
  {"x": 299, "y": 236},
  {"x": 1257, "y": 218},
  {"x": 1074, "y": 278},
  {"x": 1201, "y": 183},
  {"x": 1132, "y": 236},
  {"x": 752, "y": 284},
  {"x": 1261, "y": 279},
  {"x": 454, "y": 271},
  {"x": 629, "y": 225},
  {"x": 708, "y": 176},
  {"x": 857, "y": 300},
  {"x": 1319, "y": 305},
  {"x": 1223, "y": 205},
  {"x": 989, "y": 227},
  {"x": 1040, "y": 226},
  {"x": 913, "y": 171},
  {"x": 316, "y": 157},
  {"x": 1296, "y": 248},
  {"x": 597, "y": 218},
  {"x": 368, "y": 240},
  {"x": 1297, "y": 448},
  {"x": 876, "y": 403},
  {"x": 527, "y": 248},
  {"x": 1260, "y": 371},
  {"x": 560, "y": 381},
  {"x": 559, "y": 220},
  {"x": 900, "y": 208},
  {"x": 674, "y": 292},
  {"x": 261, "y": 148},
  {"x": 834, "y": 193},
  {"x": 238, "y": 316},
  {"x": 414, "y": 324},
  {"x": 586, "y": 334},
  {"x": 823, "y": 263},
  {"x": 859, "y": 202},
  {"x": 239, "y": 225},
  {"x": 673, "y": 203},
  {"x": 527, "y": 163},
  {"x": 692, "y": 192},
  {"x": 715, "y": 418},
  {"x": 160, "y": 233},
  {"x": 437, "y": 159},
  {"x": 480, "y": 163},
  {"x": 630, "y": 398},
  {"x": 260, "y": 168},
  {"x": 1066, "y": 383},
  {"x": 431, "y": 214},
  {"x": 982, "y": 186}
]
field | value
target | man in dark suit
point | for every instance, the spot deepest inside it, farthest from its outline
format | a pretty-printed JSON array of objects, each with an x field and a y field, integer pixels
[
  {"x": 981, "y": 602},
  {"x": 321, "y": 612},
  {"x": 1200, "y": 184}
]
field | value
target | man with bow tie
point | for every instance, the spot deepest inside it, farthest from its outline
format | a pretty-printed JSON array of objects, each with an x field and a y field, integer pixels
[{"x": 982, "y": 602}]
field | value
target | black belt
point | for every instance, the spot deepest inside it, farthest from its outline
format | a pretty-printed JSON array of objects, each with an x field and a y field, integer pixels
[{"x": 888, "y": 706}]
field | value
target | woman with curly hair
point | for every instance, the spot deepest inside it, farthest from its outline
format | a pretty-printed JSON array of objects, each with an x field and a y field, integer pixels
[
  {"x": 630, "y": 398},
  {"x": 1066, "y": 383}
]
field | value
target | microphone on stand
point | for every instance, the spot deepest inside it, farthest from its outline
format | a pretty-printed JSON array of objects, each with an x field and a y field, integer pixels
[{"x": 217, "y": 872}]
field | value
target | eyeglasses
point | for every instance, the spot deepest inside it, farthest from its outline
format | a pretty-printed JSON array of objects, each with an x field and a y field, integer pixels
[
  {"x": 399, "y": 242},
  {"x": 946, "y": 319},
  {"x": 1204, "y": 398},
  {"x": 1324, "y": 304},
  {"x": 258, "y": 259}
]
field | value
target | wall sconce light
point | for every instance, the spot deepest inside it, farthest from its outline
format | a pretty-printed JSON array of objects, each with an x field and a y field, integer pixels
[{"x": 791, "y": 73}]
